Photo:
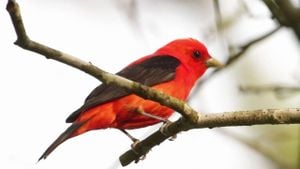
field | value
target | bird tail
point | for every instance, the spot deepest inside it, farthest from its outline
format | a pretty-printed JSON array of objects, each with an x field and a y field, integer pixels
[{"x": 68, "y": 133}]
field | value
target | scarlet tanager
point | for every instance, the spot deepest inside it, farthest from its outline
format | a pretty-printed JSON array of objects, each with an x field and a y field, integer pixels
[{"x": 172, "y": 69}]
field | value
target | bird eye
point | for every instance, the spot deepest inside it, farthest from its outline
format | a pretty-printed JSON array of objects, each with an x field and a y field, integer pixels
[{"x": 197, "y": 54}]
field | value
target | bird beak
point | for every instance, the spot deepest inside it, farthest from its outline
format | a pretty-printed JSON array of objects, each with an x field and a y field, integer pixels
[{"x": 213, "y": 63}]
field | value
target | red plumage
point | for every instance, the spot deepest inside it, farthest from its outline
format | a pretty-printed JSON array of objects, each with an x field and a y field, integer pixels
[{"x": 173, "y": 69}]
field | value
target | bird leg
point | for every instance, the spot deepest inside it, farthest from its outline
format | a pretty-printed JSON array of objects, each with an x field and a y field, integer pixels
[
  {"x": 133, "y": 139},
  {"x": 142, "y": 112},
  {"x": 134, "y": 144},
  {"x": 163, "y": 128}
]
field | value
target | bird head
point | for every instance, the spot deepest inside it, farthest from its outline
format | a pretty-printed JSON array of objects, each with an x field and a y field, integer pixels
[{"x": 191, "y": 53}]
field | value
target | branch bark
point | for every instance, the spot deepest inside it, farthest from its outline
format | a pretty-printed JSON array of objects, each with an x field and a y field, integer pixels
[
  {"x": 190, "y": 120},
  {"x": 212, "y": 120}
]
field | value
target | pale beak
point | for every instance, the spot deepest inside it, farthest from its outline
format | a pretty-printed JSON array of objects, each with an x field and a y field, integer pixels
[{"x": 212, "y": 62}]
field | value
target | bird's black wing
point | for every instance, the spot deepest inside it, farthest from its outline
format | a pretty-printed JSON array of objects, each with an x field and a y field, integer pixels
[{"x": 149, "y": 72}]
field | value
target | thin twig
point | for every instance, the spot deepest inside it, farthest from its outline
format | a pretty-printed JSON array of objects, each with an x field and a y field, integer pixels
[
  {"x": 235, "y": 57},
  {"x": 218, "y": 15},
  {"x": 269, "y": 88},
  {"x": 280, "y": 91}
]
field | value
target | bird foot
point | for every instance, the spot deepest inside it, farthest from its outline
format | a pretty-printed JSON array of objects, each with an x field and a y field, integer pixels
[
  {"x": 172, "y": 138},
  {"x": 164, "y": 130},
  {"x": 134, "y": 147}
]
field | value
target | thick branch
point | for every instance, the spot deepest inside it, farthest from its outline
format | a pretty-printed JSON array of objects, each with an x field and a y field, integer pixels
[
  {"x": 238, "y": 118},
  {"x": 241, "y": 118}
]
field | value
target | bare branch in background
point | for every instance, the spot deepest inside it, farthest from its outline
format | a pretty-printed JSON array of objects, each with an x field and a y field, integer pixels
[
  {"x": 130, "y": 11},
  {"x": 235, "y": 57},
  {"x": 285, "y": 13},
  {"x": 281, "y": 91},
  {"x": 257, "y": 146},
  {"x": 218, "y": 14}
]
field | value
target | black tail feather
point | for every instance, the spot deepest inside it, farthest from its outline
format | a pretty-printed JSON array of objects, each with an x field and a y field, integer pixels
[{"x": 63, "y": 137}]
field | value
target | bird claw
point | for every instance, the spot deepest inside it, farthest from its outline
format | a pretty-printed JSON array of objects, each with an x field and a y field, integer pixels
[
  {"x": 134, "y": 146},
  {"x": 164, "y": 130},
  {"x": 134, "y": 149},
  {"x": 140, "y": 158},
  {"x": 165, "y": 121},
  {"x": 172, "y": 138}
]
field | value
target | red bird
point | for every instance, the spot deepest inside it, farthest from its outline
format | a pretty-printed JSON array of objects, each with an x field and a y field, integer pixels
[{"x": 173, "y": 69}]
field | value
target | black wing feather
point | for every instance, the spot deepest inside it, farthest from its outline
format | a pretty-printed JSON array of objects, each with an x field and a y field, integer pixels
[{"x": 150, "y": 72}]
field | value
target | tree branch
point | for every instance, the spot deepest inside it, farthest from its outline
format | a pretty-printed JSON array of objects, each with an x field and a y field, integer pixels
[
  {"x": 270, "y": 88},
  {"x": 190, "y": 120},
  {"x": 141, "y": 90},
  {"x": 238, "y": 118},
  {"x": 235, "y": 57},
  {"x": 280, "y": 91},
  {"x": 285, "y": 13}
]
